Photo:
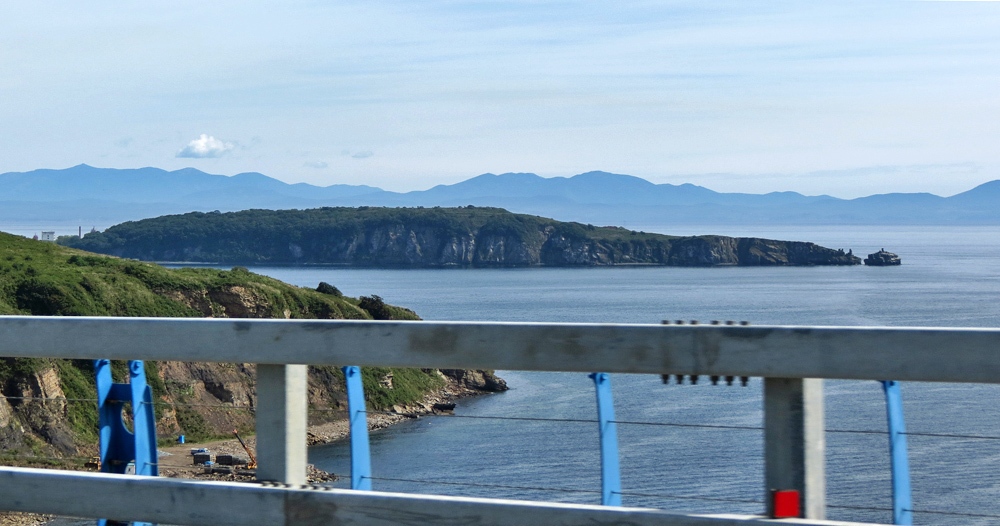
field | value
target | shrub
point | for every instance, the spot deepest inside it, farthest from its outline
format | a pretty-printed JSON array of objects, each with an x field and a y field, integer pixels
[
  {"x": 376, "y": 307},
  {"x": 326, "y": 288}
]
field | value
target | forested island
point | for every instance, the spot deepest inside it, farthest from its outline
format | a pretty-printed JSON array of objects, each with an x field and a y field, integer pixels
[
  {"x": 428, "y": 238},
  {"x": 47, "y": 408}
]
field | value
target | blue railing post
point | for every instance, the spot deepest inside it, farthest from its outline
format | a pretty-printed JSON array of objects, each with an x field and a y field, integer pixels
[
  {"x": 119, "y": 447},
  {"x": 902, "y": 505},
  {"x": 611, "y": 484},
  {"x": 361, "y": 463}
]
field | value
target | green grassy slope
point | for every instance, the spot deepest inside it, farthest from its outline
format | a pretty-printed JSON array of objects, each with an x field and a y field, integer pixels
[
  {"x": 46, "y": 279},
  {"x": 39, "y": 278}
]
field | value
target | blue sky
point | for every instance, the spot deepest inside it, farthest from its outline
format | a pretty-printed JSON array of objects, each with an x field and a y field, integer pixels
[{"x": 839, "y": 98}]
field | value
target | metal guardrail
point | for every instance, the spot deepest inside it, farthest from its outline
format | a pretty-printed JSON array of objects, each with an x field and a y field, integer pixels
[
  {"x": 791, "y": 359},
  {"x": 859, "y": 353},
  {"x": 173, "y": 501}
]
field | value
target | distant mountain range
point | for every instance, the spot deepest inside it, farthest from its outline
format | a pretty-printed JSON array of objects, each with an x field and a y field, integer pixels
[{"x": 87, "y": 195}]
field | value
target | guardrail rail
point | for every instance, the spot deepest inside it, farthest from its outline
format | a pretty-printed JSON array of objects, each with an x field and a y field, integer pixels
[{"x": 792, "y": 360}]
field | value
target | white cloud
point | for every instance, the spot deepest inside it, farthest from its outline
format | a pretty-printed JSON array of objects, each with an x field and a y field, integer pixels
[
  {"x": 205, "y": 147},
  {"x": 315, "y": 164},
  {"x": 452, "y": 89},
  {"x": 360, "y": 154}
]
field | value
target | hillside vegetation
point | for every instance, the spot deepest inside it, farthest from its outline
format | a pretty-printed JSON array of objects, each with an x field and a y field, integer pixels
[
  {"x": 39, "y": 278},
  {"x": 428, "y": 237}
]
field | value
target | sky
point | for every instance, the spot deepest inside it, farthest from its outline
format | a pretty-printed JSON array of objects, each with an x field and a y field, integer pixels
[{"x": 837, "y": 98}]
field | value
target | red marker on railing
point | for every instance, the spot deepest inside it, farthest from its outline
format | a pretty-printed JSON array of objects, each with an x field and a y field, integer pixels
[{"x": 785, "y": 504}]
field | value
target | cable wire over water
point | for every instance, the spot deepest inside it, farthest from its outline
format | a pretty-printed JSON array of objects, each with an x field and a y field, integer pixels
[
  {"x": 539, "y": 488},
  {"x": 520, "y": 418}
]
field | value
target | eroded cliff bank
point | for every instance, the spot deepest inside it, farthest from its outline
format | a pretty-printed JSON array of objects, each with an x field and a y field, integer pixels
[{"x": 48, "y": 407}]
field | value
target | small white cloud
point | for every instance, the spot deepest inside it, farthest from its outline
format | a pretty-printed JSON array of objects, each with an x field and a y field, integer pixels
[
  {"x": 205, "y": 147},
  {"x": 315, "y": 164},
  {"x": 362, "y": 154}
]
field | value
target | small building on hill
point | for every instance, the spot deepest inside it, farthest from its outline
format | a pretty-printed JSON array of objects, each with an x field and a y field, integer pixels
[{"x": 49, "y": 236}]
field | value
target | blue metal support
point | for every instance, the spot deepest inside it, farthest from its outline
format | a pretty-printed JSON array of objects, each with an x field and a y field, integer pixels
[
  {"x": 902, "y": 505},
  {"x": 611, "y": 484},
  {"x": 120, "y": 448},
  {"x": 361, "y": 462}
]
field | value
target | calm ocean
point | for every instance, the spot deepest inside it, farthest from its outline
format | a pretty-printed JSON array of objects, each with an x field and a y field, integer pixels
[{"x": 950, "y": 277}]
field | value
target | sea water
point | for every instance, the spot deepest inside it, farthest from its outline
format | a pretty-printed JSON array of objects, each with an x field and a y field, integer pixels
[{"x": 949, "y": 277}]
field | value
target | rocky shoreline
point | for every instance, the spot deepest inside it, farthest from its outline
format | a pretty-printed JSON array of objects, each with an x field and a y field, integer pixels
[
  {"x": 454, "y": 389},
  {"x": 176, "y": 462}
]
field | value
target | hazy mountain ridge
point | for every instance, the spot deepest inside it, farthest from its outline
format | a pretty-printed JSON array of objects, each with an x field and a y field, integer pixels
[{"x": 87, "y": 195}]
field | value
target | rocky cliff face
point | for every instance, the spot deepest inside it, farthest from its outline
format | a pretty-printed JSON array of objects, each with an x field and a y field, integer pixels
[
  {"x": 414, "y": 246},
  {"x": 721, "y": 250},
  {"x": 422, "y": 247},
  {"x": 422, "y": 238},
  {"x": 32, "y": 415}
]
